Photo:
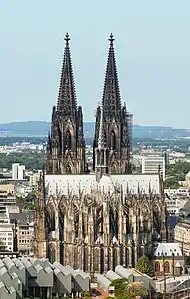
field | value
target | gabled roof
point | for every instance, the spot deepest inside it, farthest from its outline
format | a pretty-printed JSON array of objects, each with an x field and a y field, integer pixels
[{"x": 167, "y": 249}]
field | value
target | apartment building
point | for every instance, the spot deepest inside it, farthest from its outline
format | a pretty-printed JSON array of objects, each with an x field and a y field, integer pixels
[
  {"x": 18, "y": 172},
  {"x": 25, "y": 238},
  {"x": 6, "y": 231},
  {"x": 33, "y": 179},
  {"x": 6, "y": 190},
  {"x": 153, "y": 163},
  {"x": 25, "y": 231},
  {"x": 182, "y": 236},
  {"x": 7, "y": 195}
]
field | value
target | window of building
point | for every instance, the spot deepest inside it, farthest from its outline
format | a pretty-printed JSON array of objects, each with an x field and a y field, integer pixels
[
  {"x": 166, "y": 267},
  {"x": 157, "y": 267}
]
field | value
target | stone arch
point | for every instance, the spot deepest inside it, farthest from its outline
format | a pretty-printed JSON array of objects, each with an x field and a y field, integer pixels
[
  {"x": 52, "y": 253},
  {"x": 62, "y": 212},
  {"x": 127, "y": 257},
  {"x": 68, "y": 168},
  {"x": 157, "y": 267},
  {"x": 115, "y": 257},
  {"x": 113, "y": 167},
  {"x": 157, "y": 217},
  {"x": 68, "y": 140},
  {"x": 113, "y": 140},
  {"x": 62, "y": 205},
  {"x": 50, "y": 216},
  {"x": 167, "y": 267}
]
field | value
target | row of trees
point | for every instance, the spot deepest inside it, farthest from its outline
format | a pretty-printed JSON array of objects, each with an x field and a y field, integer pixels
[
  {"x": 32, "y": 160},
  {"x": 175, "y": 173}
]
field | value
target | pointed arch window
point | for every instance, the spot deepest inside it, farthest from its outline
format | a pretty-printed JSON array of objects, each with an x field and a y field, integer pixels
[
  {"x": 112, "y": 140},
  {"x": 51, "y": 254},
  {"x": 167, "y": 267},
  {"x": 113, "y": 168},
  {"x": 157, "y": 267},
  {"x": 68, "y": 169},
  {"x": 68, "y": 140}
]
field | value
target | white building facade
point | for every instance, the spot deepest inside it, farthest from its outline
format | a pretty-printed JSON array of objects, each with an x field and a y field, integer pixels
[
  {"x": 152, "y": 163},
  {"x": 18, "y": 171},
  {"x": 6, "y": 232}
]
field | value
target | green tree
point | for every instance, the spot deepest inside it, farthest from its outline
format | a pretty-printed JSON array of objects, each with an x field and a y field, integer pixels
[
  {"x": 32, "y": 160},
  {"x": 124, "y": 290},
  {"x": 86, "y": 294},
  {"x": 179, "y": 169},
  {"x": 119, "y": 285},
  {"x": 25, "y": 204},
  {"x": 172, "y": 183},
  {"x": 31, "y": 197},
  {"x": 145, "y": 266}
]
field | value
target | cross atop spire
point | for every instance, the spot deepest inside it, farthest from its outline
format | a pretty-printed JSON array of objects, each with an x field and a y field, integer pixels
[
  {"x": 67, "y": 39},
  {"x": 67, "y": 102},
  {"x": 111, "y": 39},
  {"x": 111, "y": 100}
]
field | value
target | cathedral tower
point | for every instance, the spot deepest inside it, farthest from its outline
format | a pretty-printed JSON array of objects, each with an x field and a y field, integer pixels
[
  {"x": 66, "y": 145},
  {"x": 116, "y": 123}
]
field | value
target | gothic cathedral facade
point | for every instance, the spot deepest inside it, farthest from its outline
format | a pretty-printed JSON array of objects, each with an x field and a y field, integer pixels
[
  {"x": 95, "y": 218},
  {"x": 66, "y": 144}
]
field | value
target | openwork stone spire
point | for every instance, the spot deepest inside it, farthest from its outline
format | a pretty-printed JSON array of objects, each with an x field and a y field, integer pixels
[
  {"x": 67, "y": 103},
  {"x": 111, "y": 94},
  {"x": 66, "y": 145}
]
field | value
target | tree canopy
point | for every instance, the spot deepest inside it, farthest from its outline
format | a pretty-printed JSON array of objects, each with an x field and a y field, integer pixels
[
  {"x": 28, "y": 202},
  {"x": 31, "y": 160},
  {"x": 124, "y": 290},
  {"x": 175, "y": 173},
  {"x": 144, "y": 266}
]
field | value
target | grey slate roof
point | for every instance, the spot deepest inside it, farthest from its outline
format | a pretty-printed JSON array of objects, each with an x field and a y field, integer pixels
[{"x": 25, "y": 216}]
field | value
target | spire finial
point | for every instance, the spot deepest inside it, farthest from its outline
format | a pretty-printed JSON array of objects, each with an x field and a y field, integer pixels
[
  {"x": 67, "y": 39},
  {"x": 111, "y": 39}
]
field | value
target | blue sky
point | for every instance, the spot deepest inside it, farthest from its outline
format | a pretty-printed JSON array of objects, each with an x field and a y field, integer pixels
[{"x": 152, "y": 51}]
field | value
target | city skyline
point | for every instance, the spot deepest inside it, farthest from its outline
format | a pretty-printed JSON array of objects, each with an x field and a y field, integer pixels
[{"x": 151, "y": 51}]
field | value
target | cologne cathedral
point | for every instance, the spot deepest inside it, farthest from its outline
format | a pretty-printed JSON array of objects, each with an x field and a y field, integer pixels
[{"x": 95, "y": 219}]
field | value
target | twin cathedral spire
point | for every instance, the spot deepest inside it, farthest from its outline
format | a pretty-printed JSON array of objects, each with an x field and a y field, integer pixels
[{"x": 112, "y": 140}]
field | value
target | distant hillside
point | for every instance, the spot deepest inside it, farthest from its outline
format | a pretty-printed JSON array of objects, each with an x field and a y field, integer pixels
[{"x": 41, "y": 128}]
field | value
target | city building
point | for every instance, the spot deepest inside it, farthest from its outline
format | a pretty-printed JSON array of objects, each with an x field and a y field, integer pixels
[
  {"x": 182, "y": 236},
  {"x": 95, "y": 220},
  {"x": 186, "y": 183},
  {"x": 176, "y": 199},
  {"x": 33, "y": 179},
  {"x": 23, "y": 189},
  {"x": 25, "y": 231},
  {"x": 6, "y": 232},
  {"x": 7, "y": 190},
  {"x": 18, "y": 172},
  {"x": 7, "y": 195},
  {"x": 153, "y": 164},
  {"x": 167, "y": 259},
  {"x": 25, "y": 238}
]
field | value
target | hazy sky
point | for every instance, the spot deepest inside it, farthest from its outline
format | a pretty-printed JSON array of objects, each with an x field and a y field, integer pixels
[{"x": 152, "y": 51}]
